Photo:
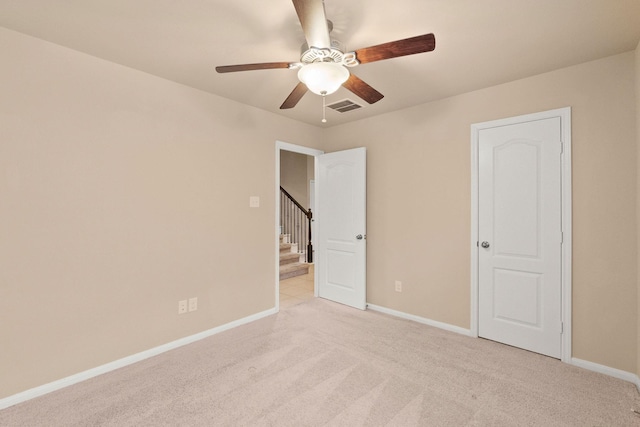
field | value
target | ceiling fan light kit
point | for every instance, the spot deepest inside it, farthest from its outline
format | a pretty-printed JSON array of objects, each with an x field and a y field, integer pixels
[
  {"x": 323, "y": 78},
  {"x": 323, "y": 65}
]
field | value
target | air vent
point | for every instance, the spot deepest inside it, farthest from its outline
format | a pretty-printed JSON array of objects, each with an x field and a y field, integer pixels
[{"x": 344, "y": 106}]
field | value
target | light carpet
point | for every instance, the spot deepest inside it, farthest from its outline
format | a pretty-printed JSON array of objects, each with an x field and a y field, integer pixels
[{"x": 320, "y": 363}]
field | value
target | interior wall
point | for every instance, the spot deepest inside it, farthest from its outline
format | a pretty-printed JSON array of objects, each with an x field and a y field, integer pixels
[
  {"x": 293, "y": 176},
  {"x": 418, "y": 201},
  {"x": 637, "y": 70},
  {"x": 310, "y": 176},
  {"x": 121, "y": 194}
]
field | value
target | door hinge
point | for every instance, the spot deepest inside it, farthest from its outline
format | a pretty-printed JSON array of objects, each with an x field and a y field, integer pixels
[
  {"x": 561, "y": 147},
  {"x": 562, "y": 327},
  {"x": 478, "y": 244},
  {"x": 561, "y": 237}
]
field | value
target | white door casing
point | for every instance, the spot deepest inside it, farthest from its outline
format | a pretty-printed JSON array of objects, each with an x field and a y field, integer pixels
[
  {"x": 519, "y": 283},
  {"x": 312, "y": 207},
  {"x": 341, "y": 227}
]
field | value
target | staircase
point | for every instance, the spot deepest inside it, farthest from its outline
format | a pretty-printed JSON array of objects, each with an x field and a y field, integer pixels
[{"x": 290, "y": 265}]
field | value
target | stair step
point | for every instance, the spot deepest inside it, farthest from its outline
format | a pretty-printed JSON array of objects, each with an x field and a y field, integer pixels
[
  {"x": 292, "y": 270},
  {"x": 285, "y": 247},
  {"x": 289, "y": 258}
]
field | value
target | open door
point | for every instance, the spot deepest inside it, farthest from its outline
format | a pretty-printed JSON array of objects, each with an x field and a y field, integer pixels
[{"x": 341, "y": 216}]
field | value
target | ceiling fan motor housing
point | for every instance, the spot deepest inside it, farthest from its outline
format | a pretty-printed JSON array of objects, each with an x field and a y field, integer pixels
[{"x": 333, "y": 54}]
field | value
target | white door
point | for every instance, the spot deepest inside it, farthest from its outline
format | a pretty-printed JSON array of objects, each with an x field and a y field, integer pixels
[
  {"x": 341, "y": 211},
  {"x": 520, "y": 235}
]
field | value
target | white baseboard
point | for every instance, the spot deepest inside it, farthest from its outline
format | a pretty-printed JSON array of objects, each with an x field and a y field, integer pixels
[
  {"x": 116, "y": 364},
  {"x": 602, "y": 369},
  {"x": 82, "y": 376},
  {"x": 425, "y": 321},
  {"x": 606, "y": 370}
]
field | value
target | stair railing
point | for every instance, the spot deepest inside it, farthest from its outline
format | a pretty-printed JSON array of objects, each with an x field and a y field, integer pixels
[{"x": 296, "y": 221}]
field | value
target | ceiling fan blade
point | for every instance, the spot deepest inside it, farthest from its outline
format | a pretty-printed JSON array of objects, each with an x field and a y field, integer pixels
[
  {"x": 410, "y": 46},
  {"x": 362, "y": 89},
  {"x": 295, "y": 96},
  {"x": 314, "y": 22},
  {"x": 249, "y": 67}
]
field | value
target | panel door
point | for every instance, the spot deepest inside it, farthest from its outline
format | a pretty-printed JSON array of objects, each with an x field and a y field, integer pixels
[
  {"x": 519, "y": 224},
  {"x": 341, "y": 219}
]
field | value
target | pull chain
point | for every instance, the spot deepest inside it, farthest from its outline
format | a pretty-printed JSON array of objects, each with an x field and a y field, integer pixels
[{"x": 324, "y": 107}]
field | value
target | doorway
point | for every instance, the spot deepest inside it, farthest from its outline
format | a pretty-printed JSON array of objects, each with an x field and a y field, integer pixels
[
  {"x": 521, "y": 232},
  {"x": 296, "y": 256},
  {"x": 339, "y": 256},
  {"x": 293, "y": 290}
]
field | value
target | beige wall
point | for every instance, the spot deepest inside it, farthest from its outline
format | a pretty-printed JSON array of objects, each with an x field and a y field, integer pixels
[
  {"x": 418, "y": 201},
  {"x": 120, "y": 194},
  {"x": 310, "y": 176},
  {"x": 294, "y": 175},
  {"x": 637, "y": 69}
]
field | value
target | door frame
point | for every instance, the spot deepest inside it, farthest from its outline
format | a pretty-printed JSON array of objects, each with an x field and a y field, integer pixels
[
  {"x": 285, "y": 146},
  {"x": 566, "y": 284}
]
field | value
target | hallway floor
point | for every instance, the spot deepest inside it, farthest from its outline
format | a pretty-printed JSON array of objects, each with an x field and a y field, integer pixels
[{"x": 296, "y": 289}]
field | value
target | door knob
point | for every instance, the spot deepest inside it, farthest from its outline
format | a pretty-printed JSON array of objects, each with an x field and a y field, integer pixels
[
  {"x": 359, "y": 237},
  {"x": 485, "y": 244}
]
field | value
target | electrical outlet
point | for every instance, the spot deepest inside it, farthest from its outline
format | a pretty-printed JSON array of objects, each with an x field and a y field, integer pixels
[
  {"x": 193, "y": 304},
  {"x": 182, "y": 306},
  {"x": 398, "y": 286}
]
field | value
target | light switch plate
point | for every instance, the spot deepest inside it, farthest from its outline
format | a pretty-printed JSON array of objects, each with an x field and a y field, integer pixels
[{"x": 254, "y": 202}]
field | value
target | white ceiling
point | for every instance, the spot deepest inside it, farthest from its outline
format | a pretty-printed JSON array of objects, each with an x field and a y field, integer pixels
[{"x": 479, "y": 43}]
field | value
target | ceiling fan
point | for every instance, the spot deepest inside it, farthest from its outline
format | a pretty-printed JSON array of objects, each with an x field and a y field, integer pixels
[{"x": 323, "y": 65}]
